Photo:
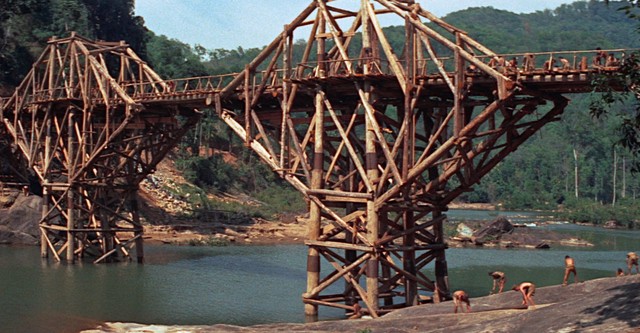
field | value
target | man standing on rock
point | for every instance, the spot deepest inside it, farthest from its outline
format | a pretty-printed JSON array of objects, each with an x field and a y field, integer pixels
[
  {"x": 569, "y": 267},
  {"x": 499, "y": 280},
  {"x": 632, "y": 259},
  {"x": 527, "y": 289},
  {"x": 459, "y": 297}
]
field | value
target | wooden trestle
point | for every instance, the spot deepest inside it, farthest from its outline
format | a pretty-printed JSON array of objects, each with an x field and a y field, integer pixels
[
  {"x": 89, "y": 144},
  {"x": 378, "y": 140}
]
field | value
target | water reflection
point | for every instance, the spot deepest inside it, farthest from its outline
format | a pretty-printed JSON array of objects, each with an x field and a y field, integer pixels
[{"x": 246, "y": 285}]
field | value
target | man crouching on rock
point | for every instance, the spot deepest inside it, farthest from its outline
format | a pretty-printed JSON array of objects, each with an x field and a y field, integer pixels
[
  {"x": 459, "y": 297},
  {"x": 527, "y": 289}
]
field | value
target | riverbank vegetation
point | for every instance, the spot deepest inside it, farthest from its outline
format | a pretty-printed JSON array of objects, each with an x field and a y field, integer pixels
[{"x": 576, "y": 166}]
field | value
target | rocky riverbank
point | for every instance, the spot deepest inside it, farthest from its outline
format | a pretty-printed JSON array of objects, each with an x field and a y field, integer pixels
[{"x": 600, "y": 305}]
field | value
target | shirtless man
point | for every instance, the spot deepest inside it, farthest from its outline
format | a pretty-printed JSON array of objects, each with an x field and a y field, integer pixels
[
  {"x": 459, "y": 297},
  {"x": 357, "y": 311},
  {"x": 498, "y": 281},
  {"x": 632, "y": 259},
  {"x": 569, "y": 267},
  {"x": 564, "y": 63},
  {"x": 527, "y": 289}
]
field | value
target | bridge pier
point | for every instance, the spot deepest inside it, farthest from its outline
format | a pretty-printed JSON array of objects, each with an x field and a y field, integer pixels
[
  {"x": 90, "y": 143},
  {"x": 380, "y": 146}
]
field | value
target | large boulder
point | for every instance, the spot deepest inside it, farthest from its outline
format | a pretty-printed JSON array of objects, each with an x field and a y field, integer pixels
[
  {"x": 493, "y": 231},
  {"x": 19, "y": 224}
]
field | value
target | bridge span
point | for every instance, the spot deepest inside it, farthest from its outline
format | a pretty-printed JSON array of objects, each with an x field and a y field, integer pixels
[{"x": 378, "y": 140}]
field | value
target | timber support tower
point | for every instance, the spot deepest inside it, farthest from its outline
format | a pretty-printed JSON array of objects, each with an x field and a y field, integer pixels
[
  {"x": 88, "y": 144},
  {"x": 379, "y": 138}
]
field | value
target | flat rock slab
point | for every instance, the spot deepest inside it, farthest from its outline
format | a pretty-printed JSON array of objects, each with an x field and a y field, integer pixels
[{"x": 601, "y": 305}]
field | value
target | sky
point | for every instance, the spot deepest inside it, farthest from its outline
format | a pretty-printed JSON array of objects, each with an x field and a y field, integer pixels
[{"x": 228, "y": 24}]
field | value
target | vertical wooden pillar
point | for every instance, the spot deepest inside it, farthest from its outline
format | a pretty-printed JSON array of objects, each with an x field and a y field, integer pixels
[
  {"x": 313, "y": 258},
  {"x": 371, "y": 162},
  {"x": 409, "y": 255},
  {"x": 44, "y": 248},
  {"x": 385, "y": 270},
  {"x": 350, "y": 255},
  {"x": 135, "y": 215},
  {"x": 248, "y": 73},
  {"x": 373, "y": 226},
  {"x": 286, "y": 88},
  {"x": 108, "y": 237},
  {"x": 442, "y": 274},
  {"x": 409, "y": 260},
  {"x": 459, "y": 115},
  {"x": 70, "y": 255},
  {"x": 320, "y": 39}
]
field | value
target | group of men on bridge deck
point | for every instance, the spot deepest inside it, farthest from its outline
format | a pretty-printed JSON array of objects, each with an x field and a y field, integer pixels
[
  {"x": 600, "y": 60},
  {"x": 527, "y": 289}
]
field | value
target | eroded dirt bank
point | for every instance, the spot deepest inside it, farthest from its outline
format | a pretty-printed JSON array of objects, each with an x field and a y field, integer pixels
[{"x": 601, "y": 305}]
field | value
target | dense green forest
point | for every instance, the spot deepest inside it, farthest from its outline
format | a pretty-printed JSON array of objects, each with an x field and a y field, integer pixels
[{"x": 540, "y": 175}]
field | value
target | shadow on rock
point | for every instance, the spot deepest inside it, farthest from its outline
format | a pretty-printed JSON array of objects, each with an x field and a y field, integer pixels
[{"x": 622, "y": 305}]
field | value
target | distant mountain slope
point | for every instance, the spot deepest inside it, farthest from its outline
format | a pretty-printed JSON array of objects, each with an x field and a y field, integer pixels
[{"x": 580, "y": 25}]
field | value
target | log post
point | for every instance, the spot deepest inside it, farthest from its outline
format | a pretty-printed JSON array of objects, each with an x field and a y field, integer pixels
[
  {"x": 135, "y": 216},
  {"x": 409, "y": 256},
  {"x": 44, "y": 249},
  {"x": 313, "y": 259},
  {"x": 70, "y": 254},
  {"x": 372, "y": 213},
  {"x": 442, "y": 274},
  {"x": 459, "y": 88}
]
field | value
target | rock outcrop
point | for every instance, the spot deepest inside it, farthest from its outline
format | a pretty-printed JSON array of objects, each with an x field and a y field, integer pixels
[
  {"x": 19, "y": 224},
  {"x": 601, "y": 305},
  {"x": 493, "y": 231}
]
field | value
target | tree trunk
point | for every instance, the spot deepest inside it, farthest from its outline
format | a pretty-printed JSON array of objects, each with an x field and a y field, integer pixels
[
  {"x": 615, "y": 169},
  {"x": 623, "y": 194},
  {"x": 575, "y": 172}
]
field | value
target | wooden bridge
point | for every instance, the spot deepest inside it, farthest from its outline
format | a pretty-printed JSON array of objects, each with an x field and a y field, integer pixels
[{"x": 379, "y": 141}]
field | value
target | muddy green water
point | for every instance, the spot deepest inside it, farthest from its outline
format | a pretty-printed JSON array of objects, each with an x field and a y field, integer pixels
[{"x": 244, "y": 285}]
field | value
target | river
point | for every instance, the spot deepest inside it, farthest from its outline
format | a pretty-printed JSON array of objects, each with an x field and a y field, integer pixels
[{"x": 247, "y": 285}]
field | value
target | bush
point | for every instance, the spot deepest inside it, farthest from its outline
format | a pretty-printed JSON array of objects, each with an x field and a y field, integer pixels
[{"x": 588, "y": 211}]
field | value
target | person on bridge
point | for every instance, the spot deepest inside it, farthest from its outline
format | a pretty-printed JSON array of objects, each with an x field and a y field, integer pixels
[
  {"x": 611, "y": 61},
  {"x": 599, "y": 58},
  {"x": 632, "y": 259},
  {"x": 527, "y": 289},
  {"x": 529, "y": 62},
  {"x": 569, "y": 267},
  {"x": 459, "y": 297},
  {"x": 550, "y": 65},
  {"x": 499, "y": 280},
  {"x": 564, "y": 64}
]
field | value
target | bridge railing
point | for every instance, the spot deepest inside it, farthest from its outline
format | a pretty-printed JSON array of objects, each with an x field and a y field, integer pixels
[
  {"x": 510, "y": 63},
  {"x": 181, "y": 86}
]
